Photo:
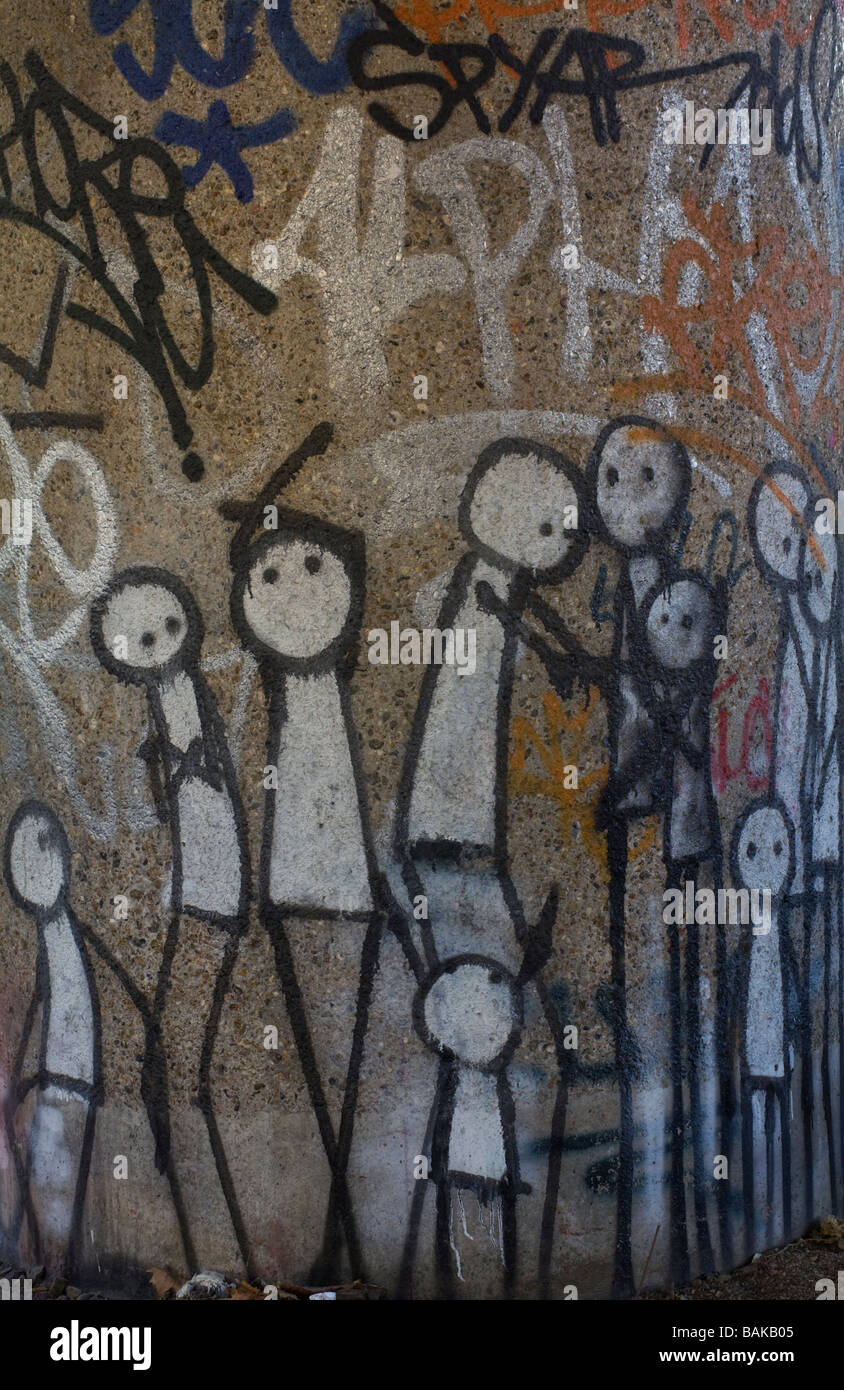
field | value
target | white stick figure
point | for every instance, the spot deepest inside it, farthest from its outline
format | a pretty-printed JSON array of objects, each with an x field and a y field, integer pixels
[
  {"x": 762, "y": 860},
  {"x": 296, "y": 605},
  {"x": 68, "y": 1076},
  {"x": 147, "y": 631}
]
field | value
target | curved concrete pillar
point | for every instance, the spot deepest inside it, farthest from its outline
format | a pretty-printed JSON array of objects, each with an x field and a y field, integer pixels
[{"x": 420, "y": 647}]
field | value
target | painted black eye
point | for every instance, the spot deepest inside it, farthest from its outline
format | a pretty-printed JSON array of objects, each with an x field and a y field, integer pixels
[
  {"x": 312, "y": 564},
  {"x": 751, "y": 850},
  {"x": 786, "y": 545},
  {"x": 546, "y": 529},
  {"x": 270, "y": 576},
  {"x": 147, "y": 639},
  {"x": 648, "y": 474},
  {"x": 687, "y": 622},
  {"x": 612, "y": 476},
  {"x": 778, "y": 848},
  {"x": 173, "y": 626},
  {"x": 495, "y": 977},
  {"x": 43, "y": 839},
  {"x": 664, "y": 619}
]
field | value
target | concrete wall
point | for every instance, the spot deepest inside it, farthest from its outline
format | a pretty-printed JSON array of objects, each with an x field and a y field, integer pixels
[{"x": 320, "y": 959}]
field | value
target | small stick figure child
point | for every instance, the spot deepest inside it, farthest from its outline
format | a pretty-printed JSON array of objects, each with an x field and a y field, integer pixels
[
  {"x": 146, "y": 630},
  {"x": 469, "y": 1009}
]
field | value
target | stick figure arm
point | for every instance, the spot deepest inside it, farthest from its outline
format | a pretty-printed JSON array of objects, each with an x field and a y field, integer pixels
[
  {"x": 596, "y": 668},
  {"x": 138, "y": 999},
  {"x": 152, "y": 754},
  {"x": 16, "y": 1094},
  {"x": 563, "y": 667}
]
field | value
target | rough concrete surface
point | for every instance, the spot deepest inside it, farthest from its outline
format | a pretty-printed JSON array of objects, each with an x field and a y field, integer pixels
[{"x": 331, "y": 949}]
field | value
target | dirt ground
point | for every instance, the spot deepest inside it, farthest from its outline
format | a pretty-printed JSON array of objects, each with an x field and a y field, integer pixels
[{"x": 789, "y": 1273}]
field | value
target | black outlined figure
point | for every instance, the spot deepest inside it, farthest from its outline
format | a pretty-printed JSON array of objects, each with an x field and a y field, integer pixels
[
  {"x": 146, "y": 630},
  {"x": 819, "y": 600},
  {"x": 522, "y": 514},
  {"x": 762, "y": 859},
  {"x": 639, "y": 481},
  {"x": 780, "y": 499},
  {"x": 53, "y": 1176},
  {"x": 681, "y": 622},
  {"x": 296, "y": 604},
  {"x": 52, "y": 1179},
  {"x": 513, "y": 515},
  {"x": 469, "y": 1009}
]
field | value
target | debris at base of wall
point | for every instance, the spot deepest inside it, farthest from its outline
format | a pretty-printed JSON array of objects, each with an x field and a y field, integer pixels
[
  {"x": 829, "y": 1232},
  {"x": 210, "y": 1285},
  {"x": 207, "y": 1285}
]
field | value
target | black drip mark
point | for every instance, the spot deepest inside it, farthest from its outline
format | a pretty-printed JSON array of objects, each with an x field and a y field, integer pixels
[{"x": 193, "y": 467}]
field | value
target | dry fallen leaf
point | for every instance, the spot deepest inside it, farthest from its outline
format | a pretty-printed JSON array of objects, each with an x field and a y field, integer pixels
[
  {"x": 246, "y": 1291},
  {"x": 163, "y": 1282},
  {"x": 830, "y": 1232}
]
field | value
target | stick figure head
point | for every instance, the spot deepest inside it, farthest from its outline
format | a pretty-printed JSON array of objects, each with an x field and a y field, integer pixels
[
  {"x": 36, "y": 858},
  {"x": 470, "y": 1008},
  {"x": 146, "y": 626},
  {"x": 298, "y": 593},
  {"x": 817, "y": 576},
  {"x": 639, "y": 480},
  {"x": 762, "y": 849},
  {"x": 775, "y": 513},
  {"x": 682, "y": 621},
  {"x": 523, "y": 508}
]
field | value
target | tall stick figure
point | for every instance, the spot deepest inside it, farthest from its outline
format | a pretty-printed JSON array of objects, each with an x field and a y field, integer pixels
[
  {"x": 522, "y": 515},
  {"x": 639, "y": 481},
  {"x": 296, "y": 604},
  {"x": 681, "y": 620},
  {"x": 780, "y": 498},
  {"x": 819, "y": 589},
  {"x": 146, "y": 630}
]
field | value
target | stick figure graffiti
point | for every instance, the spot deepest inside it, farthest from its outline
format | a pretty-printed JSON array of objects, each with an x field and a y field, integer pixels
[
  {"x": 68, "y": 1078},
  {"x": 639, "y": 482},
  {"x": 522, "y": 514},
  {"x": 53, "y": 1177},
  {"x": 788, "y": 554},
  {"x": 296, "y": 604},
  {"x": 762, "y": 857},
  {"x": 818, "y": 597},
  {"x": 681, "y": 622},
  {"x": 469, "y": 1009},
  {"x": 146, "y": 630}
]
